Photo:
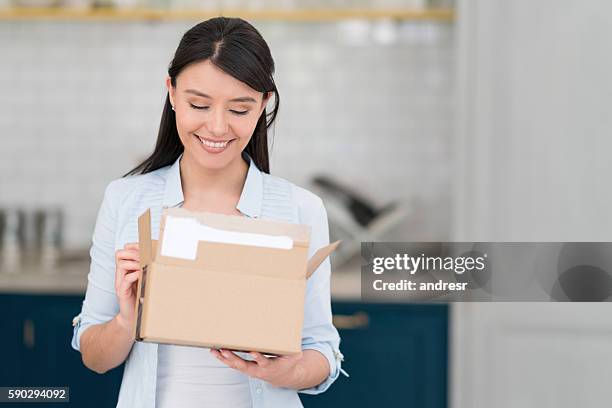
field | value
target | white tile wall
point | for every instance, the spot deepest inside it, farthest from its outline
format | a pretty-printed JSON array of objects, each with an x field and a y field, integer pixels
[{"x": 369, "y": 102}]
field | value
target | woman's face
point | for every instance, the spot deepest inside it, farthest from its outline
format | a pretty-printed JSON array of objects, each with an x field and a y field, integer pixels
[{"x": 216, "y": 114}]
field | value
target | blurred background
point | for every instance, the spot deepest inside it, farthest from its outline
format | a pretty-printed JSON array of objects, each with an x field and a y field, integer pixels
[{"x": 414, "y": 120}]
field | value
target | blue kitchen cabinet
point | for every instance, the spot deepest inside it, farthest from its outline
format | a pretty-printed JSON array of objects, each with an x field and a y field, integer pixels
[
  {"x": 36, "y": 343},
  {"x": 11, "y": 341},
  {"x": 396, "y": 355}
]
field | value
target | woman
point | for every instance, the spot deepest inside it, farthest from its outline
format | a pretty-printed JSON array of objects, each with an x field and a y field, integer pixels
[{"x": 211, "y": 155}]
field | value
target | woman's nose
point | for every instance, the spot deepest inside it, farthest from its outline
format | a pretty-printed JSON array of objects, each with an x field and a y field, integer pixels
[{"x": 218, "y": 125}]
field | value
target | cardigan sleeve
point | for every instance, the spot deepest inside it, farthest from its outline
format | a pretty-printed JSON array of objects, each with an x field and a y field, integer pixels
[
  {"x": 100, "y": 304},
  {"x": 318, "y": 331}
]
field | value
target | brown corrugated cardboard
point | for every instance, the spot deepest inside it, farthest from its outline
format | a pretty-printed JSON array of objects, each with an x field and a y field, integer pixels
[{"x": 233, "y": 296}]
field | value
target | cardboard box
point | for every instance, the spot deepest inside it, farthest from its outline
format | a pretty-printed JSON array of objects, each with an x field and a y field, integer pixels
[{"x": 219, "y": 293}]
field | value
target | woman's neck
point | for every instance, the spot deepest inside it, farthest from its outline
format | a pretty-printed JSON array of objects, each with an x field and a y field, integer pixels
[{"x": 200, "y": 184}]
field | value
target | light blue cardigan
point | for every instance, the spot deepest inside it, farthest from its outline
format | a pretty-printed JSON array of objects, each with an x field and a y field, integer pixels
[{"x": 263, "y": 196}]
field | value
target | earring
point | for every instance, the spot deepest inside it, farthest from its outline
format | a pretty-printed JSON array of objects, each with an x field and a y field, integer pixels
[{"x": 172, "y": 107}]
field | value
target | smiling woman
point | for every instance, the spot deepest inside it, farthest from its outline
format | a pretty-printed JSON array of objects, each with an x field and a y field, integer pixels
[
  {"x": 216, "y": 120},
  {"x": 219, "y": 83},
  {"x": 211, "y": 155}
]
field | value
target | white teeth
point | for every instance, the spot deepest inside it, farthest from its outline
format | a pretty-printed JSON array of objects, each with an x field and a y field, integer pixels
[{"x": 217, "y": 145}]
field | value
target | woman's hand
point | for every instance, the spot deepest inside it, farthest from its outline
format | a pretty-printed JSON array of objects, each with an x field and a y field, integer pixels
[
  {"x": 126, "y": 275},
  {"x": 283, "y": 371}
]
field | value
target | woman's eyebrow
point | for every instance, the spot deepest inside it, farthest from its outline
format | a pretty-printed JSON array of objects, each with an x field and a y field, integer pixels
[{"x": 203, "y": 95}]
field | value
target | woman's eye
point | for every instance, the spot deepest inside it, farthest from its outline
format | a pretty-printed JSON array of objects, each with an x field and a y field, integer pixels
[{"x": 206, "y": 108}]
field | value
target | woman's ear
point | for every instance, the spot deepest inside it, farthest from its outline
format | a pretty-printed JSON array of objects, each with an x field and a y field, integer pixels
[{"x": 170, "y": 89}]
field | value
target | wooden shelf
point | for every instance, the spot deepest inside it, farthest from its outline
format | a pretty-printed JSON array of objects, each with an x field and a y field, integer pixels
[{"x": 319, "y": 15}]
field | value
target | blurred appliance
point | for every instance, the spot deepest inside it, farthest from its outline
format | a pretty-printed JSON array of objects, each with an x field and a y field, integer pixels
[
  {"x": 30, "y": 236},
  {"x": 11, "y": 236},
  {"x": 353, "y": 219}
]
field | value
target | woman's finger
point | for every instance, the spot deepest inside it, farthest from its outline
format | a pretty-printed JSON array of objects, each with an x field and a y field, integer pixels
[
  {"x": 236, "y": 362},
  {"x": 128, "y": 281},
  {"x": 129, "y": 254},
  {"x": 221, "y": 357},
  {"x": 131, "y": 245},
  {"x": 132, "y": 276},
  {"x": 128, "y": 266},
  {"x": 261, "y": 360}
]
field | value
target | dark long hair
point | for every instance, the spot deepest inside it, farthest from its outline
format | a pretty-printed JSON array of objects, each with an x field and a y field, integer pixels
[{"x": 237, "y": 48}]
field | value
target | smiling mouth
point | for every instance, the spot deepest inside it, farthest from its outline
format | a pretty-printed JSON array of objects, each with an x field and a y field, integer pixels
[{"x": 219, "y": 144}]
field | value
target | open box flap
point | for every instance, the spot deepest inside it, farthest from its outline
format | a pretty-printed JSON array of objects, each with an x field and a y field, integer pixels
[
  {"x": 285, "y": 263},
  {"x": 244, "y": 260},
  {"x": 144, "y": 238},
  {"x": 300, "y": 234},
  {"x": 319, "y": 256},
  {"x": 145, "y": 247}
]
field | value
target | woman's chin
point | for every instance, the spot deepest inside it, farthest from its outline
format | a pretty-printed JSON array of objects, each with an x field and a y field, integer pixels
[{"x": 213, "y": 161}]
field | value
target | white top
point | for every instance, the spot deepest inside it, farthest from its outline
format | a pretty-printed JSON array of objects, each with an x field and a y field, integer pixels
[{"x": 190, "y": 377}]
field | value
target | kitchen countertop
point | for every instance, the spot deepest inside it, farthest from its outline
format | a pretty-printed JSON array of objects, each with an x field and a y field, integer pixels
[
  {"x": 68, "y": 279},
  {"x": 71, "y": 279}
]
